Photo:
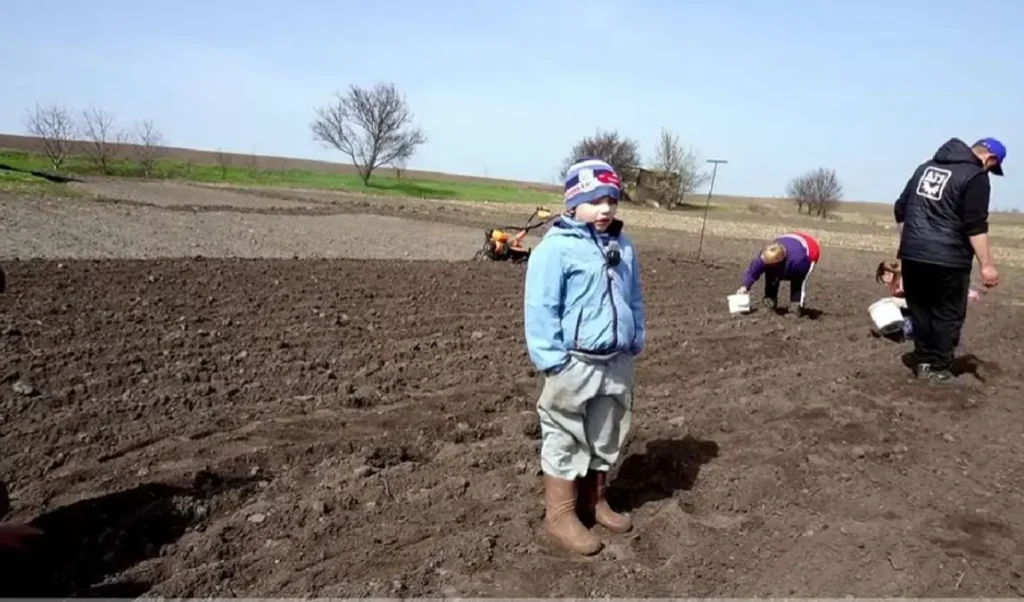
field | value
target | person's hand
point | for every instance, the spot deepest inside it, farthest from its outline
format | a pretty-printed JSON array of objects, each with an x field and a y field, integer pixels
[
  {"x": 741, "y": 290},
  {"x": 14, "y": 535},
  {"x": 989, "y": 276}
]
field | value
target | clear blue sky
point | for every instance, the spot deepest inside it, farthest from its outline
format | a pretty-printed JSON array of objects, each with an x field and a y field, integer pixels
[{"x": 869, "y": 88}]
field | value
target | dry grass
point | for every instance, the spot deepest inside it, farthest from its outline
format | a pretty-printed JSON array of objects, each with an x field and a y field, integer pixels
[
  {"x": 857, "y": 226},
  {"x": 1005, "y": 224},
  {"x": 1008, "y": 239},
  {"x": 884, "y": 241}
]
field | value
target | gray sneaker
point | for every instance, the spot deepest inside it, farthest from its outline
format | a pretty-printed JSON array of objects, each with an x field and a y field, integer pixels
[
  {"x": 943, "y": 377},
  {"x": 923, "y": 371}
]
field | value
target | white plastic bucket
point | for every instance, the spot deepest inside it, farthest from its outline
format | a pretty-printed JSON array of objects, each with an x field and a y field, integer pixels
[
  {"x": 886, "y": 315},
  {"x": 739, "y": 303}
]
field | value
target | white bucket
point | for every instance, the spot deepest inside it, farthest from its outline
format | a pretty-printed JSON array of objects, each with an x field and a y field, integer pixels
[
  {"x": 886, "y": 315},
  {"x": 739, "y": 303}
]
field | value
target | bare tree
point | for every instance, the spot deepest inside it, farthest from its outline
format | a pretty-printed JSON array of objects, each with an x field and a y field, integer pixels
[
  {"x": 621, "y": 152},
  {"x": 372, "y": 126},
  {"x": 399, "y": 164},
  {"x": 224, "y": 162},
  {"x": 819, "y": 190},
  {"x": 254, "y": 163},
  {"x": 148, "y": 140},
  {"x": 682, "y": 165},
  {"x": 55, "y": 126},
  {"x": 101, "y": 138}
]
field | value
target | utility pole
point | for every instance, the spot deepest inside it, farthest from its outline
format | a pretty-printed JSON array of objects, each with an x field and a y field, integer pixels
[{"x": 707, "y": 205}]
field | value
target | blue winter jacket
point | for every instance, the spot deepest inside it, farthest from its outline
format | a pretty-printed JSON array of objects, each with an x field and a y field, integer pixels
[{"x": 575, "y": 301}]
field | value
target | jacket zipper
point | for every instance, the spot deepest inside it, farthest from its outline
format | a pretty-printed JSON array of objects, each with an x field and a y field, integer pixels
[
  {"x": 608, "y": 286},
  {"x": 615, "y": 311}
]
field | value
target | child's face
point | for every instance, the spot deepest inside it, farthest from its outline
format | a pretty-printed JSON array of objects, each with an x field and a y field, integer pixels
[
  {"x": 887, "y": 277},
  {"x": 599, "y": 212}
]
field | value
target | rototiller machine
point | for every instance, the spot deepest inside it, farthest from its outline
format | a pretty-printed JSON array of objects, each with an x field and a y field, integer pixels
[{"x": 506, "y": 243}]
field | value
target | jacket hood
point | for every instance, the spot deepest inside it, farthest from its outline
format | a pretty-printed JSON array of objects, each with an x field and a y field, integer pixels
[{"x": 956, "y": 150}]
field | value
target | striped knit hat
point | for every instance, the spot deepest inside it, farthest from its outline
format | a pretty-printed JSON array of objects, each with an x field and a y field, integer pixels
[{"x": 589, "y": 179}]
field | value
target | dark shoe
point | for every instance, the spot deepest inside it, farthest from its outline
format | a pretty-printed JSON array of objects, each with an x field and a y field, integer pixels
[
  {"x": 769, "y": 303},
  {"x": 796, "y": 312}
]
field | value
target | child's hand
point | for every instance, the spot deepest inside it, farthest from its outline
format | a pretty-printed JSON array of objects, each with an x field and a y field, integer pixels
[{"x": 741, "y": 290}]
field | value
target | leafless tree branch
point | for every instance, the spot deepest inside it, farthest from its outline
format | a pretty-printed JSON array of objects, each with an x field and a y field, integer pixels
[
  {"x": 101, "y": 138},
  {"x": 254, "y": 163},
  {"x": 819, "y": 190},
  {"x": 683, "y": 167},
  {"x": 621, "y": 152},
  {"x": 399, "y": 164},
  {"x": 224, "y": 162},
  {"x": 148, "y": 140},
  {"x": 370, "y": 125},
  {"x": 55, "y": 126}
]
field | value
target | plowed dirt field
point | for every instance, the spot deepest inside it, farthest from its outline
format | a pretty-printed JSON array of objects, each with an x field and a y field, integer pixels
[{"x": 214, "y": 426}]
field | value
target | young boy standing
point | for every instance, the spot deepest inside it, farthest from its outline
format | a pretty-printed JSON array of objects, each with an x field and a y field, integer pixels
[{"x": 585, "y": 324}]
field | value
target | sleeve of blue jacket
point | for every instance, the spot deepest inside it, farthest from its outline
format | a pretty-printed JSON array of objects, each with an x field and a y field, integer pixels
[
  {"x": 542, "y": 300},
  {"x": 636, "y": 303}
]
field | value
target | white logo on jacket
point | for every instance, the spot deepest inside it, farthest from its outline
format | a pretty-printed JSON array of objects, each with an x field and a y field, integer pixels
[{"x": 933, "y": 182}]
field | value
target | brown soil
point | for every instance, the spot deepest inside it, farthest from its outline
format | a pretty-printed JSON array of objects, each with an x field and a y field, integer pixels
[{"x": 337, "y": 427}]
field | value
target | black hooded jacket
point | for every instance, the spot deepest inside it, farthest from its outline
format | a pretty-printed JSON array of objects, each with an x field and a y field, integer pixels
[{"x": 943, "y": 204}]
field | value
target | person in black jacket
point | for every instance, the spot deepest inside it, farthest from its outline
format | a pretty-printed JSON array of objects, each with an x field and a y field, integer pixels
[{"x": 942, "y": 216}]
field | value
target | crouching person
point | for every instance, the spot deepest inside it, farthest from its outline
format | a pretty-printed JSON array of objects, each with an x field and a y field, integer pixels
[
  {"x": 584, "y": 322},
  {"x": 790, "y": 257},
  {"x": 890, "y": 274}
]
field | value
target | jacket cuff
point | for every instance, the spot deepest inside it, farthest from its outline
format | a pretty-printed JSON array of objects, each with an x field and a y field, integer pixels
[{"x": 976, "y": 229}]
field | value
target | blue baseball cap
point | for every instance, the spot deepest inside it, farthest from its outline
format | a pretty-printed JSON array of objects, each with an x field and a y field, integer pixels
[{"x": 996, "y": 148}]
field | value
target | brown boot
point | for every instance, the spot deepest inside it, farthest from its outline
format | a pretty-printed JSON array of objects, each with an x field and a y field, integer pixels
[
  {"x": 560, "y": 520},
  {"x": 586, "y": 500},
  {"x": 599, "y": 508}
]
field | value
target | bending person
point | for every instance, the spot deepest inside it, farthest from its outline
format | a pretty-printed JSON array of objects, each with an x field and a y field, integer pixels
[{"x": 791, "y": 258}]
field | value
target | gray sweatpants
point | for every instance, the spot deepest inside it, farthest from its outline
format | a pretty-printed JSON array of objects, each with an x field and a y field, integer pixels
[{"x": 585, "y": 414}]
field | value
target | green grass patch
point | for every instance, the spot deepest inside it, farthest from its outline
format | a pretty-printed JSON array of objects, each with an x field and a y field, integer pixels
[
  {"x": 12, "y": 181},
  {"x": 292, "y": 178}
]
